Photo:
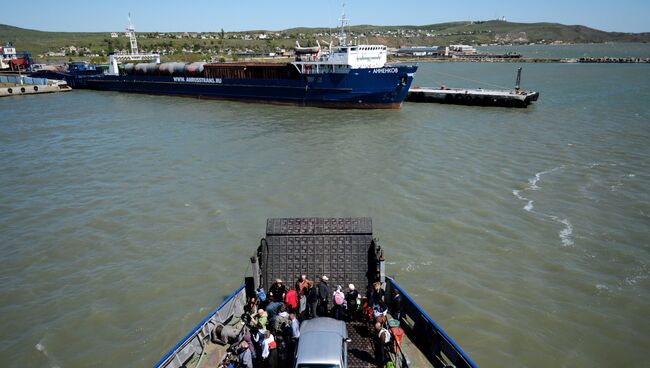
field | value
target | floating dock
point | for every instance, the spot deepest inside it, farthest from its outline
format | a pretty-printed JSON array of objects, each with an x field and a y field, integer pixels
[
  {"x": 477, "y": 97},
  {"x": 11, "y": 85}
]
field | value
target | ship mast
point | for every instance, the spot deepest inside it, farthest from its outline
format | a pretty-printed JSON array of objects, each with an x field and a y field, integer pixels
[
  {"x": 114, "y": 59},
  {"x": 344, "y": 20},
  {"x": 130, "y": 30}
]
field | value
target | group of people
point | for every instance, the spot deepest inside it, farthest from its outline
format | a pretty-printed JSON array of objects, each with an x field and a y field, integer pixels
[
  {"x": 273, "y": 319},
  {"x": 309, "y": 299},
  {"x": 376, "y": 311}
]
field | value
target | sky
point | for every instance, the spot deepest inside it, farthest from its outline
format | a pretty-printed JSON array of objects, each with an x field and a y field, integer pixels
[{"x": 241, "y": 15}]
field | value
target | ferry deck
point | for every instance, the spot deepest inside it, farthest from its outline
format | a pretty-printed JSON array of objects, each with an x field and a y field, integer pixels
[{"x": 343, "y": 249}]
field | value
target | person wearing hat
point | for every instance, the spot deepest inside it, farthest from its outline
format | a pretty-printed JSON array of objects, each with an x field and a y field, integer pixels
[
  {"x": 323, "y": 296},
  {"x": 352, "y": 300},
  {"x": 277, "y": 291}
]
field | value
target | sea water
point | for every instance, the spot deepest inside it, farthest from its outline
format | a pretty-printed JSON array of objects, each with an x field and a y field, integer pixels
[{"x": 125, "y": 219}]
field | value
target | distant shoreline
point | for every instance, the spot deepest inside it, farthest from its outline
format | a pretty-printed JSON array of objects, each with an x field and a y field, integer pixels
[
  {"x": 591, "y": 60},
  {"x": 406, "y": 60}
]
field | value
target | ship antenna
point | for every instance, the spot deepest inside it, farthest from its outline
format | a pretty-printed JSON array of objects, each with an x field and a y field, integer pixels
[
  {"x": 131, "y": 31},
  {"x": 330, "y": 27},
  {"x": 344, "y": 21}
]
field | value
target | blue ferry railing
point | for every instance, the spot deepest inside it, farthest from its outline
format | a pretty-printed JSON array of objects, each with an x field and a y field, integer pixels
[
  {"x": 430, "y": 338},
  {"x": 168, "y": 358}
]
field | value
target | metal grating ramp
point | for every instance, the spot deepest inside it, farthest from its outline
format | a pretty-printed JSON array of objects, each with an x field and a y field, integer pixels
[{"x": 341, "y": 248}]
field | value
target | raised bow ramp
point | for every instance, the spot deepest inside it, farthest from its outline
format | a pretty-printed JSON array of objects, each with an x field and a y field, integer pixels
[{"x": 340, "y": 248}]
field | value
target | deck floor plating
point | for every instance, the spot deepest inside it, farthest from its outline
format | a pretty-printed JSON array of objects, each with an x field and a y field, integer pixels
[{"x": 361, "y": 353}]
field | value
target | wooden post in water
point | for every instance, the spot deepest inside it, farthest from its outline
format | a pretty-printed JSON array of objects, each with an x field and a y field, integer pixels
[{"x": 518, "y": 83}]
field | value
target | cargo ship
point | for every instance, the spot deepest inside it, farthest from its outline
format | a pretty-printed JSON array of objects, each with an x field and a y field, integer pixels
[
  {"x": 345, "y": 76},
  {"x": 344, "y": 250}
]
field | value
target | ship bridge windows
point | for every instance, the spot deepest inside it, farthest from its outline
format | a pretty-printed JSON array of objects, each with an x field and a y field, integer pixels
[{"x": 372, "y": 48}]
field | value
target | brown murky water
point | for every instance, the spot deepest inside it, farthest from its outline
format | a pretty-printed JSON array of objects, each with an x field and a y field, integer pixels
[{"x": 124, "y": 219}]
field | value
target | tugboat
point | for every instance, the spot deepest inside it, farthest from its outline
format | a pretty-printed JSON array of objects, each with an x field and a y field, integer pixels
[
  {"x": 343, "y": 250},
  {"x": 347, "y": 76}
]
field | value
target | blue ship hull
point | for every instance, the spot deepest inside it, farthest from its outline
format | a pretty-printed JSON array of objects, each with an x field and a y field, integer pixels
[{"x": 385, "y": 87}]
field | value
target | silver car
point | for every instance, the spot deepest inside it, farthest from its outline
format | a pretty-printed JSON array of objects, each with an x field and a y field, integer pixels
[{"x": 323, "y": 343}]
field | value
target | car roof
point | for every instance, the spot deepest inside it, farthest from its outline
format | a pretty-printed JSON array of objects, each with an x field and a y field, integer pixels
[
  {"x": 324, "y": 324},
  {"x": 321, "y": 341},
  {"x": 321, "y": 347}
]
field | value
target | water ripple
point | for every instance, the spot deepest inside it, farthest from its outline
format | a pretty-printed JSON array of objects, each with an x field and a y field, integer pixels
[{"x": 134, "y": 215}]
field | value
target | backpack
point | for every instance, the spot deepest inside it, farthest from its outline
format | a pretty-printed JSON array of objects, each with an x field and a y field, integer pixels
[
  {"x": 338, "y": 298},
  {"x": 280, "y": 322},
  {"x": 261, "y": 294}
]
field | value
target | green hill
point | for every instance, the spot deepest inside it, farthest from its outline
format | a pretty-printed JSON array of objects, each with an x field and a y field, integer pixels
[
  {"x": 40, "y": 41},
  {"x": 204, "y": 43},
  {"x": 493, "y": 32}
]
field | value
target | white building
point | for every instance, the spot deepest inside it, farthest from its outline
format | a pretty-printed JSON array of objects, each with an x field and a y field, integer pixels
[{"x": 462, "y": 49}]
